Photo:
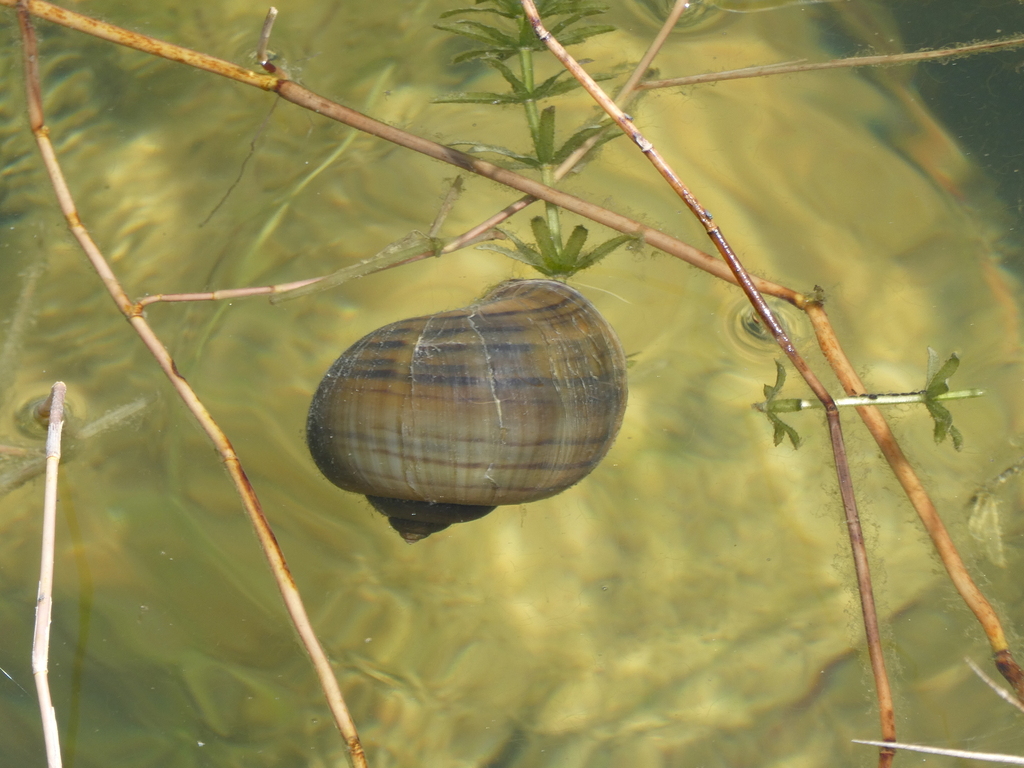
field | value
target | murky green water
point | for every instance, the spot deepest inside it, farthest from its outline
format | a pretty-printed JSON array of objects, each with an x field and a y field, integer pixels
[{"x": 688, "y": 604}]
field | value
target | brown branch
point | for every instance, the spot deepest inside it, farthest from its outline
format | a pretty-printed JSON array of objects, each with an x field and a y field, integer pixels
[
  {"x": 230, "y": 293},
  {"x": 150, "y": 45},
  {"x": 278, "y": 565},
  {"x": 867, "y": 600},
  {"x": 787, "y": 67},
  {"x": 915, "y": 491},
  {"x": 303, "y": 97}
]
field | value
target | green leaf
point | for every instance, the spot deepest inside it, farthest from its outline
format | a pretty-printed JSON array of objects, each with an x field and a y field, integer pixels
[
  {"x": 933, "y": 366},
  {"x": 944, "y": 424},
  {"x": 575, "y": 141},
  {"x": 573, "y": 246},
  {"x": 557, "y": 28},
  {"x": 781, "y": 429},
  {"x": 477, "y": 97},
  {"x": 584, "y": 33},
  {"x": 937, "y": 384},
  {"x": 523, "y": 252},
  {"x": 501, "y": 44},
  {"x": 477, "y": 147},
  {"x": 497, "y": 11},
  {"x": 549, "y": 249},
  {"x": 770, "y": 391},
  {"x": 482, "y": 33},
  {"x": 546, "y": 136},
  {"x": 488, "y": 55},
  {"x": 540, "y": 91},
  {"x": 564, "y": 86},
  {"x": 518, "y": 86},
  {"x": 783, "y": 405},
  {"x": 602, "y": 250},
  {"x": 530, "y": 257},
  {"x": 512, "y": 8},
  {"x": 560, "y": 7}
]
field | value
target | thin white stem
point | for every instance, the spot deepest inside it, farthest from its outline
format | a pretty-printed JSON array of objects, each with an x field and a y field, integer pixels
[
  {"x": 1001, "y": 692},
  {"x": 796, "y": 404},
  {"x": 652, "y": 50},
  {"x": 989, "y": 757},
  {"x": 44, "y": 601}
]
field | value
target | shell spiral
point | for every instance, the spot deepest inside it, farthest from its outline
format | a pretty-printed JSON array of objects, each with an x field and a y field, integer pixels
[{"x": 439, "y": 419}]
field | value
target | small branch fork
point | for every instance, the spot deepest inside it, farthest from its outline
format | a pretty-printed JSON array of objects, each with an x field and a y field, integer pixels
[
  {"x": 282, "y": 575},
  {"x": 302, "y": 97},
  {"x": 915, "y": 491},
  {"x": 867, "y": 600},
  {"x": 54, "y": 406}
]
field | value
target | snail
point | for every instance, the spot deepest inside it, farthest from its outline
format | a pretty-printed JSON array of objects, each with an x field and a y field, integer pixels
[{"x": 439, "y": 419}]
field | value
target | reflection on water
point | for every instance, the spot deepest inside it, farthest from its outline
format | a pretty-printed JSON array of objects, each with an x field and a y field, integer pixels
[{"x": 689, "y": 603}]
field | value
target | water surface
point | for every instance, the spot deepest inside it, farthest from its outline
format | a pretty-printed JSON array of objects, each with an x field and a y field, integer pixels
[{"x": 691, "y": 603}]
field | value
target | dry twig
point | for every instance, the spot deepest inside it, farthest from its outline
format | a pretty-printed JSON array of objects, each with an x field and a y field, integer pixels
[
  {"x": 788, "y": 67},
  {"x": 870, "y": 614},
  {"x": 989, "y": 757},
  {"x": 912, "y": 486},
  {"x": 54, "y": 409},
  {"x": 999, "y": 691},
  {"x": 278, "y": 565}
]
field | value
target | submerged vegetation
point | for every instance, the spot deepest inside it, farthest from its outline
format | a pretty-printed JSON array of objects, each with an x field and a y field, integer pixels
[{"x": 550, "y": 253}]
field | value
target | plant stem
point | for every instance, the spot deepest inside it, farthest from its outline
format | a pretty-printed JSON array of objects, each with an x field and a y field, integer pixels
[
  {"x": 268, "y": 541},
  {"x": 789, "y": 405},
  {"x": 533, "y": 120},
  {"x": 44, "y": 602}
]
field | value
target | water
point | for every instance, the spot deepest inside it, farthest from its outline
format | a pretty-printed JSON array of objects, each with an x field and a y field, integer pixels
[{"x": 689, "y": 604}]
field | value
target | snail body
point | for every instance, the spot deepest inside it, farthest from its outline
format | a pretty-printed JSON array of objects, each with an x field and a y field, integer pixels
[{"x": 438, "y": 419}]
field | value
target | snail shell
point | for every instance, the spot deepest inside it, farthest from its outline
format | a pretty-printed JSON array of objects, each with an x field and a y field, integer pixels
[{"x": 439, "y": 419}]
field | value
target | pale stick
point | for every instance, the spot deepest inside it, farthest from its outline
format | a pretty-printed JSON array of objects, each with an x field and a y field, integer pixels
[
  {"x": 905, "y": 398},
  {"x": 989, "y": 757},
  {"x": 278, "y": 565},
  {"x": 262, "y": 55},
  {"x": 788, "y": 67},
  {"x": 1001, "y": 692},
  {"x": 993, "y": 757},
  {"x": 887, "y": 716},
  {"x": 44, "y": 601}
]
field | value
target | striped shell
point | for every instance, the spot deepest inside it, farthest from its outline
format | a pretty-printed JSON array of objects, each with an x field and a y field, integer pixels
[{"x": 438, "y": 419}]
